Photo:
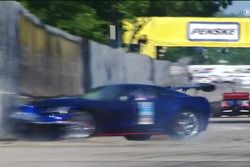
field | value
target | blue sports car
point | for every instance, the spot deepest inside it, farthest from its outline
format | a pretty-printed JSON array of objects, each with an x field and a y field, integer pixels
[{"x": 134, "y": 111}]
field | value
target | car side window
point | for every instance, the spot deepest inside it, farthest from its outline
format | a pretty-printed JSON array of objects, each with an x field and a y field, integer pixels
[
  {"x": 151, "y": 92},
  {"x": 103, "y": 93},
  {"x": 142, "y": 93},
  {"x": 112, "y": 93},
  {"x": 122, "y": 93}
]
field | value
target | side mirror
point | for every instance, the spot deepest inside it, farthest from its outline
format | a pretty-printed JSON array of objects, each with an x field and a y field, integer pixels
[
  {"x": 126, "y": 98},
  {"x": 207, "y": 87},
  {"x": 123, "y": 98}
]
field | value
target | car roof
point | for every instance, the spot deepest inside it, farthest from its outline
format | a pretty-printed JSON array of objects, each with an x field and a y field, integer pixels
[
  {"x": 158, "y": 88},
  {"x": 131, "y": 85}
]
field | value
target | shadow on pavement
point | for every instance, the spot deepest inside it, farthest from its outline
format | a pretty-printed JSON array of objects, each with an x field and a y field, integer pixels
[{"x": 234, "y": 120}]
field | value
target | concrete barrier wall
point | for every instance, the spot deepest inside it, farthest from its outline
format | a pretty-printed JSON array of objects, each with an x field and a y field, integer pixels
[
  {"x": 109, "y": 66},
  {"x": 51, "y": 60}
]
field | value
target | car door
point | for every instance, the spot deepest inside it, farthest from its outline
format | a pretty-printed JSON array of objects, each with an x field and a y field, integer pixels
[
  {"x": 114, "y": 107},
  {"x": 145, "y": 105}
]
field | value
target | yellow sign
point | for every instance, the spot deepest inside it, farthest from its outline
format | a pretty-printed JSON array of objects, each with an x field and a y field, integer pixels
[{"x": 186, "y": 32}]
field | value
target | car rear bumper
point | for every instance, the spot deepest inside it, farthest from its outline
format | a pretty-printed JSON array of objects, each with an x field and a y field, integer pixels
[
  {"x": 236, "y": 108},
  {"x": 234, "y": 111}
]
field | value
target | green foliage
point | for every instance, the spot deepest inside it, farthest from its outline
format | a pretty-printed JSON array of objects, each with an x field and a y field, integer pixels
[
  {"x": 186, "y": 8},
  {"x": 72, "y": 16},
  {"x": 234, "y": 56},
  {"x": 175, "y": 53},
  {"x": 91, "y": 18},
  {"x": 86, "y": 24}
]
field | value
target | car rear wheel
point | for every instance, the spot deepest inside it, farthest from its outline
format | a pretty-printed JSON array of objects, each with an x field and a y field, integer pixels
[
  {"x": 186, "y": 124},
  {"x": 82, "y": 125},
  {"x": 216, "y": 114},
  {"x": 138, "y": 137}
]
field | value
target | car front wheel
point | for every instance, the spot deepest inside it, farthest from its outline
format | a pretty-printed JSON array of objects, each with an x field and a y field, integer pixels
[{"x": 82, "y": 125}]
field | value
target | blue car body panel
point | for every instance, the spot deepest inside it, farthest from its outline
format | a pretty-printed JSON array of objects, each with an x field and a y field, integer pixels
[{"x": 121, "y": 116}]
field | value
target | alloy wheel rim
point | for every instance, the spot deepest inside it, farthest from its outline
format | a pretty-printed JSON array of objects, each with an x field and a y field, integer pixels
[
  {"x": 187, "y": 124},
  {"x": 81, "y": 126}
]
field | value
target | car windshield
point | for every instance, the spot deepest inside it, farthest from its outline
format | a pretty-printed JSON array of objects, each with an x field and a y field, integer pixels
[
  {"x": 106, "y": 93},
  {"x": 115, "y": 92}
]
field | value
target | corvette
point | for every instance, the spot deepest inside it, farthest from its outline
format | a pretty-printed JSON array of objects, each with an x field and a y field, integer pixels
[{"x": 135, "y": 111}]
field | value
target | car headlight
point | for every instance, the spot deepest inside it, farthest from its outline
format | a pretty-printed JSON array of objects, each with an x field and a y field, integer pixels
[{"x": 26, "y": 116}]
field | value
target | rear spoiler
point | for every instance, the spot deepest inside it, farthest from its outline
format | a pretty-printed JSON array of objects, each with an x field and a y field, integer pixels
[
  {"x": 206, "y": 87},
  {"x": 236, "y": 96}
]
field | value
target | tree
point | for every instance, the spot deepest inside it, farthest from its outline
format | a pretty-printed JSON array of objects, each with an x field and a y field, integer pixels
[
  {"x": 90, "y": 19},
  {"x": 72, "y": 16}
]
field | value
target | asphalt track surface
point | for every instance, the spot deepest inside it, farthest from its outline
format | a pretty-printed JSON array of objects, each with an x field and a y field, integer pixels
[{"x": 226, "y": 143}]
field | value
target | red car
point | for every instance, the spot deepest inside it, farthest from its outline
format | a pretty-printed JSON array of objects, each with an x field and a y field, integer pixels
[{"x": 234, "y": 103}]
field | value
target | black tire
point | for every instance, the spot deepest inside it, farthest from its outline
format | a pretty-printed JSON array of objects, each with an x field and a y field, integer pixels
[
  {"x": 186, "y": 124},
  {"x": 138, "y": 137},
  {"x": 216, "y": 114},
  {"x": 82, "y": 125},
  {"x": 215, "y": 109}
]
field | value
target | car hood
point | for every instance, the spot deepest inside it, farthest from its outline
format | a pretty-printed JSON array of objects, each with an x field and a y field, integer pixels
[{"x": 57, "y": 102}]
